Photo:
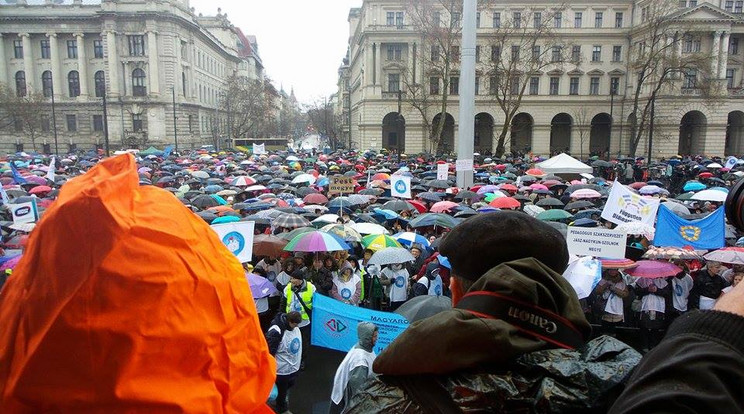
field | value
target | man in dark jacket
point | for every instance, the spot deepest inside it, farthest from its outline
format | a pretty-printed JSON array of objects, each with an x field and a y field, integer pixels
[
  {"x": 707, "y": 287},
  {"x": 320, "y": 276},
  {"x": 515, "y": 323}
]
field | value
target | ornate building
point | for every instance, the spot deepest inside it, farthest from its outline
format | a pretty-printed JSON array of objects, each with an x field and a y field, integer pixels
[
  {"x": 581, "y": 101},
  {"x": 154, "y": 61}
]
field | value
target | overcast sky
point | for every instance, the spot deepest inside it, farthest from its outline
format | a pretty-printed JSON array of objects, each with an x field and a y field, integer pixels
[{"x": 301, "y": 42}]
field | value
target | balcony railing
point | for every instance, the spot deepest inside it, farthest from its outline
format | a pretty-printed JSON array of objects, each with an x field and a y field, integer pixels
[
  {"x": 393, "y": 95},
  {"x": 691, "y": 91}
]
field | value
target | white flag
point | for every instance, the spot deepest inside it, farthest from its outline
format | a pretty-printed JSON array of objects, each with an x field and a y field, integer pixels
[
  {"x": 6, "y": 199},
  {"x": 400, "y": 186},
  {"x": 259, "y": 149},
  {"x": 52, "y": 168},
  {"x": 238, "y": 238},
  {"x": 625, "y": 206}
]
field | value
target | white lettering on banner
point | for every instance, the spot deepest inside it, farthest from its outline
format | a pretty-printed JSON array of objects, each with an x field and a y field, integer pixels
[
  {"x": 597, "y": 242},
  {"x": 464, "y": 165},
  {"x": 625, "y": 206},
  {"x": 442, "y": 171}
]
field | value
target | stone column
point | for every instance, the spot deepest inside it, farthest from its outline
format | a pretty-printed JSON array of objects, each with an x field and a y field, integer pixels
[
  {"x": 82, "y": 66},
  {"x": 57, "y": 85},
  {"x": 3, "y": 67},
  {"x": 723, "y": 63},
  {"x": 113, "y": 64},
  {"x": 716, "y": 52},
  {"x": 152, "y": 58},
  {"x": 28, "y": 61}
]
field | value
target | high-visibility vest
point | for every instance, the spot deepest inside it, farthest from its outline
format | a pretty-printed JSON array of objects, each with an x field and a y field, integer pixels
[{"x": 306, "y": 295}]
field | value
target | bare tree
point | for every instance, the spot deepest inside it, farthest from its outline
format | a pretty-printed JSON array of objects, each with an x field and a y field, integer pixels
[
  {"x": 20, "y": 113},
  {"x": 583, "y": 125},
  {"x": 523, "y": 46},
  {"x": 252, "y": 105},
  {"x": 665, "y": 56},
  {"x": 320, "y": 115}
]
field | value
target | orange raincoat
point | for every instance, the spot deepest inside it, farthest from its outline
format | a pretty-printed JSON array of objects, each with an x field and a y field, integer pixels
[{"x": 125, "y": 301}]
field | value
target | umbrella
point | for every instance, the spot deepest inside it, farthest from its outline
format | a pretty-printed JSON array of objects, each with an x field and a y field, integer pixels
[
  {"x": 433, "y": 219},
  {"x": 577, "y": 205},
  {"x": 677, "y": 208},
  {"x": 505, "y": 202},
  {"x": 290, "y": 221},
  {"x": 550, "y": 202},
  {"x": 693, "y": 186},
  {"x": 653, "y": 269},
  {"x": 204, "y": 201},
  {"x": 268, "y": 245},
  {"x": 398, "y": 205},
  {"x": 732, "y": 255},
  {"x": 347, "y": 233},
  {"x": 377, "y": 242},
  {"x": 617, "y": 263},
  {"x": 533, "y": 210},
  {"x": 422, "y": 307},
  {"x": 432, "y": 197},
  {"x": 315, "y": 198},
  {"x": 443, "y": 207},
  {"x": 41, "y": 189},
  {"x": 706, "y": 195},
  {"x": 260, "y": 286},
  {"x": 243, "y": 181},
  {"x": 225, "y": 219},
  {"x": 671, "y": 253},
  {"x": 294, "y": 233},
  {"x": 585, "y": 193},
  {"x": 441, "y": 184},
  {"x": 418, "y": 206},
  {"x": 369, "y": 228},
  {"x": 466, "y": 195},
  {"x": 327, "y": 219},
  {"x": 408, "y": 238},
  {"x": 315, "y": 241},
  {"x": 200, "y": 174},
  {"x": 359, "y": 199},
  {"x": 554, "y": 215},
  {"x": 651, "y": 190},
  {"x": 304, "y": 178},
  {"x": 535, "y": 172},
  {"x": 637, "y": 228},
  {"x": 391, "y": 255}
]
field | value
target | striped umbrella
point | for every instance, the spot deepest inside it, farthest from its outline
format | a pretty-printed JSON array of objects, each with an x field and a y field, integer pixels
[
  {"x": 290, "y": 221},
  {"x": 316, "y": 241},
  {"x": 408, "y": 238},
  {"x": 376, "y": 242},
  {"x": 347, "y": 233}
]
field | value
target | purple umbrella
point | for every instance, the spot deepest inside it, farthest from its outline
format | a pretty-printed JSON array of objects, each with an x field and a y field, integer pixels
[
  {"x": 488, "y": 189},
  {"x": 260, "y": 286},
  {"x": 653, "y": 269},
  {"x": 11, "y": 263},
  {"x": 36, "y": 179}
]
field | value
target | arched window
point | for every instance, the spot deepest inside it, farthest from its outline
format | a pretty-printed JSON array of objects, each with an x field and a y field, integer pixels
[
  {"x": 73, "y": 83},
  {"x": 46, "y": 83},
  {"x": 100, "y": 80},
  {"x": 20, "y": 79},
  {"x": 138, "y": 83}
]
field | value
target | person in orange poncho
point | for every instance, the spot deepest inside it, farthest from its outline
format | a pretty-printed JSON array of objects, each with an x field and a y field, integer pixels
[{"x": 125, "y": 301}]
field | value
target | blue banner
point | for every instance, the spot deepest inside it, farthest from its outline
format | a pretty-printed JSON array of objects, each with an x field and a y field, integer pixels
[
  {"x": 705, "y": 233},
  {"x": 167, "y": 151},
  {"x": 334, "y": 324},
  {"x": 16, "y": 175}
]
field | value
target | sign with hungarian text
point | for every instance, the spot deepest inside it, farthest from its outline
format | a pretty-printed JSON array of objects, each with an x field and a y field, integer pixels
[
  {"x": 625, "y": 206},
  {"x": 340, "y": 184},
  {"x": 596, "y": 241}
]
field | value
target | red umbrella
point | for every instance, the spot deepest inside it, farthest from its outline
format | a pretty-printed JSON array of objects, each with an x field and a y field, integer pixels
[
  {"x": 40, "y": 189},
  {"x": 705, "y": 175},
  {"x": 637, "y": 185},
  {"x": 550, "y": 183},
  {"x": 507, "y": 187},
  {"x": 443, "y": 207},
  {"x": 653, "y": 269},
  {"x": 535, "y": 172},
  {"x": 380, "y": 176},
  {"x": 419, "y": 205},
  {"x": 538, "y": 186},
  {"x": 505, "y": 202},
  {"x": 315, "y": 198}
]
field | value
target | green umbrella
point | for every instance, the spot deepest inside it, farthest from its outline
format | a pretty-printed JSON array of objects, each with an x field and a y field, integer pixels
[
  {"x": 291, "y": 235},
  {"x": 554, "y": 215},
  {"x": 685, "y": 196}
]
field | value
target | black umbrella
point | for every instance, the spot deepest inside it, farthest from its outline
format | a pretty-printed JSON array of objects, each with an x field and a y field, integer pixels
[
  {"x": 549, "y": 202},
  {"x": 433, "y": 197},
  {"x": 204, "y": 201},
  {"x": 398, "y": 205},
  {"x": 577, "y": 205},
  {"x": 466, "y": 195},
  {"x": 437, "y": 184}
]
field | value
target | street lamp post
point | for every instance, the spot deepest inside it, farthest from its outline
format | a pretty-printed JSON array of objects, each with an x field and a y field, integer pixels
[
  {"x": 465, "y": 144},
  {"x": 54, "y": 122},
  {"x": 105, "y": 122},
  {"x": 613, "y": 90},
  {"x": 175, "y": 124},
  {"x": 651, "y": 128}
]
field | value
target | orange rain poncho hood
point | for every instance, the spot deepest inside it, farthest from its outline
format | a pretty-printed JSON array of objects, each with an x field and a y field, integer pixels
[{"x": 126, "y": 301}]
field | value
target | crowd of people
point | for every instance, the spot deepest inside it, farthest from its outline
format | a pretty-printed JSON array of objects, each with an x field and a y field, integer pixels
[{"x": 497, "y": 249}]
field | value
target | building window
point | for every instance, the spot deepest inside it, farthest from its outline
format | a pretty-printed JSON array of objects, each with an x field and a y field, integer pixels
[
  {"x": 573, "y": 86},
  {"x": 554, "y": 83},
  {"x": 455, "y": 54},
  {"x": 691, "y": 44},
  {"x": 536, "y": 53},
  {"x": 46, "y": 52},
  {"x": 556, "y": 55},
  {"x": 594, "y": 85},
  {"x": 183, "y": 83},
  {"x": 598, "y": 20},
  {"x": 575, "y": 53},
  {"x": 577, "y": 19},
  {"x": 534, "y": 85},
  {"x": 393, "y": 82},
  {"x": 493, "y": 85},
  {"x": 390, "y": 20},
  {"x": 434, "y": 85},
  {"x": 435, "y": 53},
  {"x": 515, "y": 53},
  {"x": 515, "y": 85},
  {"x": 394, "y": 52},
  {"x": 455, "y": 19},
  {"x": 495, "y": 53},
  {"x": 18, "y": 124},
  {"x": 477, "y": 20},
  {"x": 614, "y": 85},
  {"x": 18, "y": 49},
  {"x": 729, "y": 6},
  {"x": 617, "y": 53},
  {"x": 138, "y": 82},
  {"x": 558, "y": 20},
  {"x": 20, "y": 81},
  {"x": 730, "y": 78},
  {"x": 97, "y": 123},
  {"x": 100, "y": 83},
  {"x": 46, "y": 83},
  {"x": 619, "y": 20},
  {"x": 137, "y": 122},
  {"x": 739, "y": 7},
  {"x": 517, "y": 18},
  {"x": 596, "y": 53},
  {"x": 436, "y": 19},
  {"x": 734, "y": 46},
  {"x": 72, "y": 52},
  {"x": 536, "y": 19},
  {"x": 98, "y": 49},
  {"x": 191, "y": 123},
  {"x": 73, "y": 83},
  {"x": 399, "y": 19},
  {"x": 136, "y": 45},
  {"x": 477, "y": 85},
  {"x": 46, "y": 124},
  {"x": 477, "y": 53},
  {"x": 690, "y": 81},
  {"x": 454, "y": 85},
  {"x": 71, "y": 123},
  {"x": 496, "y": 20}
]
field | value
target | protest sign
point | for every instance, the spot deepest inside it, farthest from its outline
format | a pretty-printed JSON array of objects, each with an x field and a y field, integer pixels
[
  {"x": 596, "y": 241},
  {"x": 259, "y": 149},
  {"x": 442, "y": 171},
  {"x": 335, "y": 324},
  {"x": 400, "y": 186},
  {"x": 625, "y": 206},
  {"x": 238, "y": 238},
  {"x": 464, "y": 165},
  {"x": 24, "y": 212},
  {"x": 340, "y": 184}
]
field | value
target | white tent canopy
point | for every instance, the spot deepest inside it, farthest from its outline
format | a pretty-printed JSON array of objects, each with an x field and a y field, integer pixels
[{"x": 564, "y": 164}]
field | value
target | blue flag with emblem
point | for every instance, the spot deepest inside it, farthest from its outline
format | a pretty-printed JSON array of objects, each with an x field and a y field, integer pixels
[
  {"x": 16, "y": 175},
  {"x": 705, "y": 233}
]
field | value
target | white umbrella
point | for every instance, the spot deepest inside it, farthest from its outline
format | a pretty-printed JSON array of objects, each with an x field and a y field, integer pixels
[
  {"x": 677, "y": 208},
  {"x": 714, "y": 165},
  {"x": 390, "y": 255},
  {"x": 257, "y": 187},
  {"x": 710, "y": 195},
  {"x": 637, "y": 228},
  {"x": 200, "y": 174},
  {"x": 533, "y": 210},
  {"x": 304, "y": 178},
  {"x": 327, "y": 218},
  {"x": 369, "y": 228}
]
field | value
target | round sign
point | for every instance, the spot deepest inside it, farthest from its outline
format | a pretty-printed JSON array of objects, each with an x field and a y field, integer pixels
[
  {"x": 400, "y": 186},
  {"x": 346, "y": 293},
  {"x": 234, "y": 241},
  {"x": 438, "y": 290},
  {"x": 400, "y": 281},
  {"x": 294, "y": 346}
]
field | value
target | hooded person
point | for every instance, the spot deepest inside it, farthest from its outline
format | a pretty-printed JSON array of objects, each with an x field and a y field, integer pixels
[
  {"x": 126, "y": 301},
  {"x": 515, "y": 340},
  {"x": 347, "y": 285},
  {"x": 355, "y": 368}
]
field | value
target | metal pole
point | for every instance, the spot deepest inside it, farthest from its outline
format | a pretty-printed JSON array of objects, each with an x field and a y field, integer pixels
[
  {"x": 54, "y": 123},
  {"x": 612, "y": 119},
  {"x": 105, "y": 124},
  {"x": 175, "y": 125},
  {"x": 651, "y": 129},
  {"x": 465, "y": 143},
  {"x": 349, "y": 119}
]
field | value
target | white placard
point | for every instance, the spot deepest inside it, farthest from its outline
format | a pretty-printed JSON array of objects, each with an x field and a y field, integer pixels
[
  {"x": 238, "y": 238},
  {"x": 259, "y": 149},
  {"x": 442, "y": 171},
  {"x": 596, "y": 241},
  {"x": 400, "y": 186},
  {"x": 464, "y": 165},
  {"x": 625, "y": 206},
  {"x": 24, "y": 212}
]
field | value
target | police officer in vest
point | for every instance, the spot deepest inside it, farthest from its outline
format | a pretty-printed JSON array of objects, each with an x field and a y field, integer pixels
[
  {"x": 298, "y": 297},
  {"x": 285, "y": 344}
]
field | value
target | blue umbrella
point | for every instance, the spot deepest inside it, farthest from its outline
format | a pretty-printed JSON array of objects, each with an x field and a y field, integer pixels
[
  {"x": 409, "y": 238},
  {"x": 225, "y": 219},
  {"x": 219, "y": 199},
  {"x": 693, "y": 186}
]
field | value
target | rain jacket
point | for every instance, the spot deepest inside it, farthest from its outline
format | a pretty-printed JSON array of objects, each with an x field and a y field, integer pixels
[
  {"x": 126, "y": 301},
  {"x": 477, "y": 363},
  {"x": 355, "y": 369}
]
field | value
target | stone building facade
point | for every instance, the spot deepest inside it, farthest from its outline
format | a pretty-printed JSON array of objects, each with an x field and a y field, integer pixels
[
  {"x": 568, "y": 107},
  {"x": 145, "y": 54}
]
